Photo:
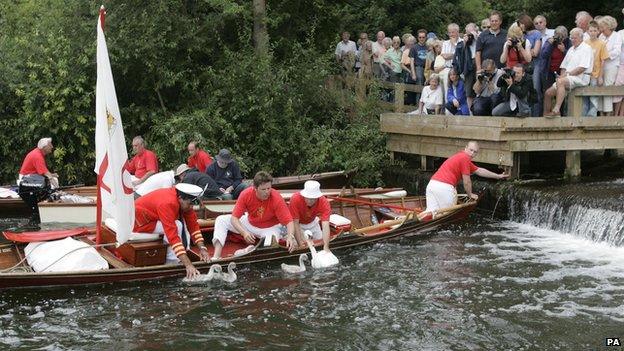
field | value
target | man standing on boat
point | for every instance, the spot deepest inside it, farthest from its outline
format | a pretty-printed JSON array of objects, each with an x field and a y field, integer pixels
[
  {"x": 260, "y": 212},
  {"x": 227, "y": 175},
  {"x": 143, "y": 164},
  {"x": 34, "y": 162},
  {"x": 170, "y": 212},
  {"x": 441, "y": 192},
  {"x": 310, "y": 210},
  {"x": 198, "y": 158}
]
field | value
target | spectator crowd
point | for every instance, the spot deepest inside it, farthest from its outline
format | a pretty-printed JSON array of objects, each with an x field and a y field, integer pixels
[{"x": 525, "y": 70}]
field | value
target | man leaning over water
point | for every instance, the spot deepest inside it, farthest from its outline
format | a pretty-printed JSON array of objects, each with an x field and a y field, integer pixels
[{"x": 441, "y": 192}]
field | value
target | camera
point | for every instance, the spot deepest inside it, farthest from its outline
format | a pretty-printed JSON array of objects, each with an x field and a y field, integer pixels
[
  {"x": 471, "y": 38},
  {"x": 484, "y": 76},
  {"x": 509, "y": 73},
  {"x": 557, "y": 41},
  {"x": 514, "y": 42}
]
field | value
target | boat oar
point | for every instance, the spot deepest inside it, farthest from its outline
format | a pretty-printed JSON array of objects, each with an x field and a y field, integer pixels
[
  {"x": 442, "y": 211},
  {"x": 370, "y": 203},
  {"x": 383, "y": 225}
]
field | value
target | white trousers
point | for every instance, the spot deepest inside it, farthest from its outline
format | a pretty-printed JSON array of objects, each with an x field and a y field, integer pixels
[
  {"x": 314, "y": 227},
  {"x": 171, "y": 256},
  {"x": 440, "y": 195},
  {"x": 223, "y": 224}
]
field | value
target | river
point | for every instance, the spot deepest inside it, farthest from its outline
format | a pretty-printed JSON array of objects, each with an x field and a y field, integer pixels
[{"x": 483, "y": 284}]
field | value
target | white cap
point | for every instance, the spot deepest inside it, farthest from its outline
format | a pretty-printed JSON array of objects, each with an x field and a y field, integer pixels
[
  {"x": 190, "y": 190},
  {"x": 311, "y": 189},
  {"x": 181, "y": 169}
]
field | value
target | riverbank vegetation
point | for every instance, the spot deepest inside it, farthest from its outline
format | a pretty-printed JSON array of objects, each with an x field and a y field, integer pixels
[{"x": 187, "y": 70}]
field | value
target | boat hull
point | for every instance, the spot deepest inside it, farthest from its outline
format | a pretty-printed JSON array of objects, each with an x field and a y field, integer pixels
[{"x": 411, "y": 227}]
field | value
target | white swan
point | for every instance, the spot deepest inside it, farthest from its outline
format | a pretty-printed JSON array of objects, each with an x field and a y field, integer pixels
[
  {"x": 321, "y": 259},
  {"x": 294, "y": 269},
  {"x": 214, "y": 272},
  {"x": 230, "y": 276}
]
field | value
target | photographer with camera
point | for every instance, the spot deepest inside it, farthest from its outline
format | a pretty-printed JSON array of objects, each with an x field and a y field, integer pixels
[
  {"x": 517, "y": 88},
  {"x": 463, "y": 61},
  {"x": 553, "y": 51},
  {"x": 516, "y": 49},
  {"x": 488, "y": 93}
]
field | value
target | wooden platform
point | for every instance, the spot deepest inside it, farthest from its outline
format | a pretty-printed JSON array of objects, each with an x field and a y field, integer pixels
[{"x": 502, "y": 139}]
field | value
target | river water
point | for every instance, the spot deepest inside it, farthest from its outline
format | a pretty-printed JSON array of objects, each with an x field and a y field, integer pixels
[{"x": 484, "y": 284}]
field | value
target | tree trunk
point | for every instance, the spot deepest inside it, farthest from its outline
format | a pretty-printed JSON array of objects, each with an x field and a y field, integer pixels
[{"x": 260, "y": 34}]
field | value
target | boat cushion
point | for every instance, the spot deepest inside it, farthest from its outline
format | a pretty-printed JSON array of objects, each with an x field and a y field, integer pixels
[{"x": 339, "y": 221}]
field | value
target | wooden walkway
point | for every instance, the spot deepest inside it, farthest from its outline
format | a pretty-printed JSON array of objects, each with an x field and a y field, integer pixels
[{"x": 502, "y": 140}]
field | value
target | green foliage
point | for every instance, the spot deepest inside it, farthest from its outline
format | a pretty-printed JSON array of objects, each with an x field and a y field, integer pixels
[{"x": 186, "y": 70}]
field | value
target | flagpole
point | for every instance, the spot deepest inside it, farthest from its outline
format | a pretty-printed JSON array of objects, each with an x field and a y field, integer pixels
[{"x": 98, "y": 231}]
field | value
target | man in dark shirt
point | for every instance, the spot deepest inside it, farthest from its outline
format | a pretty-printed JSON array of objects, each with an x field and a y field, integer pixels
[
  {"x": 517, "y": 89},
  {"x": 185, "y": 174},
  {"x": 227, "y": 175},
  {"x": 490, "y": 42},
  {"x": 418, "y": 54}
]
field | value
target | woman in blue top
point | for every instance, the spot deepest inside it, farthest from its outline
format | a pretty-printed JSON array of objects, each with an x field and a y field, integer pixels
[{"x": 456, "y": 102}]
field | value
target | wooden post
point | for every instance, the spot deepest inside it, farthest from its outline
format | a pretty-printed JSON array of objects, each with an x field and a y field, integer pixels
[
  {"x": 575, "y": 104},
  {"x": 423, "y": 162},
  {"x": 399, "y": 96},
  {"x": 514, "y": 171},
  {"x": 573, "y": 165}
]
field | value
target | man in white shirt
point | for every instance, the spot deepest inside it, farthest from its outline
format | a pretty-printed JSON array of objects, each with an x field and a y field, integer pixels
[
  {"x": 378, "y": 52},
  {"x": 575, "y": 72},
  {"x": 448, "y": 51},
  {"x": 345, "y": 52},
  {"x": 582, "y": 21}
]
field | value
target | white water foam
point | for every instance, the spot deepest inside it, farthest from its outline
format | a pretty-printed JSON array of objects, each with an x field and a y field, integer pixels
[{"x": 576, "y": 276}]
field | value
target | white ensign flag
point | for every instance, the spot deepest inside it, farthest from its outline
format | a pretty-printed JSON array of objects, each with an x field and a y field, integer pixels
[{"x": 116, "y": 191}]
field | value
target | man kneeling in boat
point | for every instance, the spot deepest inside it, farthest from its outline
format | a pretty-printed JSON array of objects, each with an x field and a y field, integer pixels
[
  {"x": 441, "y": 192},
  {"x": 170, "y": 212},
  {"x": 260, "y": 212},
  {"x": 310, "y": 210}
]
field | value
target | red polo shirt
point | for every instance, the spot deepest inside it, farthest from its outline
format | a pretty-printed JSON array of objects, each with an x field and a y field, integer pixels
[
  {"x": 162, "y": 205},
  {"x": 300, "y": 210},
  {"x": 201, "y": 160},
  {"x": 34, "y": 163},
  {"x": 262, "y": 214},
  {"x": 142, "y": 163},
  {"x": 454, "y": 167}
]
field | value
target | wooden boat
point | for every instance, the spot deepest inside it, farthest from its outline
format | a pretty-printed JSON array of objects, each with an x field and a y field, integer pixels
[
  {"x": 371, "y": 221},
  {"x": 85, "y": 213}
]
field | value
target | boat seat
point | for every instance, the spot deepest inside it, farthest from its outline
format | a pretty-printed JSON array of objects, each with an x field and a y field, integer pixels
[{"x": 134, "y": 237}]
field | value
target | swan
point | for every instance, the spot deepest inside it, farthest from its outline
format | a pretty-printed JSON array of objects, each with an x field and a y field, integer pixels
[
  {"x": 230, "y": 276},
  {"x": 322, "y": 259},
  {"x": 214, "y": 272},
  {"x": 294, "y": 269}
]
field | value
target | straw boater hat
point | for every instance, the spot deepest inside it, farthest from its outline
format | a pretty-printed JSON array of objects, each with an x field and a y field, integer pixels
[
  {"x": 181, "y": 169},
  {"x": 188, "y": 191},
  {"x": 311, "y": 189}
]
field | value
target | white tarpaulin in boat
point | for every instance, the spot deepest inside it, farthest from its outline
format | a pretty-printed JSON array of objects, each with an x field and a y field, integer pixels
[{"x": 63, "y": 256}]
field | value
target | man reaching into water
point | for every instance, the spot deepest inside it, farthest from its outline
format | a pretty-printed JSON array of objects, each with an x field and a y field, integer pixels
[{"x": 441, "y": 192}]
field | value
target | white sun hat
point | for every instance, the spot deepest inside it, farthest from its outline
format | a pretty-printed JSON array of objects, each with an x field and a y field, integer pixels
[
  {"x": 311, "y": 189},
  {"x": 189, "y": 191}
]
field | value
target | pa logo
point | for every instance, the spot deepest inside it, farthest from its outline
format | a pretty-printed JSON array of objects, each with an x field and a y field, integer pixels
[{"x": 613, "y": 342}]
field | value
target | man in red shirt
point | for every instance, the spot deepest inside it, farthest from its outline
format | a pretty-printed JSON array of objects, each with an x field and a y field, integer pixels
[
  {"x": 260, "y": 212},
  {"x": 310, "y": 210},
  {"x": 143, "y": 164},
  {"x": 162, "y": 212},
  {"x": 34, "y": 162},
  {"x": 198, "y": 158},
  {"x": 441, "y": 192}
]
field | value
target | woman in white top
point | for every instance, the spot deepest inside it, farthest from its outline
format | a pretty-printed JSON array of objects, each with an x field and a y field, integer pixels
[
  {"x": 432, "y": 98},
  {"x": 607, "y": 25},
  {"x": 619, "y": 81}
]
